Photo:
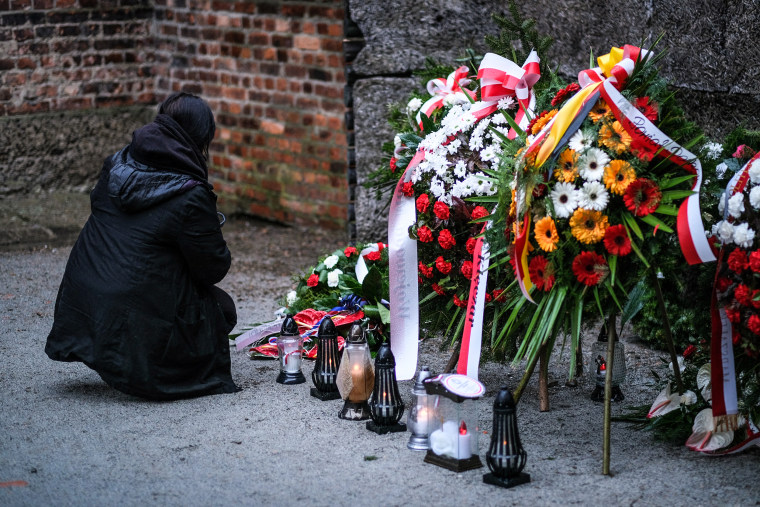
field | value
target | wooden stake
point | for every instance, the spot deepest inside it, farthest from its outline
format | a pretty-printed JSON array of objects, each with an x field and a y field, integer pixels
[
  {"x": 611, "y": 338},
  {"x": 543, "y": 379},
  {"x": 454, "y": 359}
]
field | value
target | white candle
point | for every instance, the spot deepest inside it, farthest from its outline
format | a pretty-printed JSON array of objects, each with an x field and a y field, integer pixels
[
  {"x": 292, "y": 357},
  {"x": 463, "y": 442}
]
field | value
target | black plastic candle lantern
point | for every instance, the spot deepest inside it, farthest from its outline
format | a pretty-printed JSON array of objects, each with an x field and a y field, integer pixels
[
  {"x": 506, "y": 456},
  {"x": 327, "y": 363},
  {"x": 289, "y": 351},
  {"x": 386, "y": 406}
]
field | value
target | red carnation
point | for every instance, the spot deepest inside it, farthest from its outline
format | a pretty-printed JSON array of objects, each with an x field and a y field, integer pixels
[
  {"x": 423, "y": 201},
  {"x": 743, "y": 294},
  {"x": 313, "y": 280},
  {"x": 690, "y": 351},
  {"x": 642, "y": 197},
  {"x": 616, "y": 240},
  {"x": 497, "y": 295},
  {"x": 442, "y": 266},
  {"x": 647, "y": 108},
  {"x": 426, "y": 270},
  {"x": 736, "y": 337},
  {"x": 373, "y": 256},
  {"x": 541, "y": 273},
  {"x": 438, "y": 289},
  {"x": 723, "y": 284},
  {"x": 564, "y": 93},
  {"x": 425, "y": 234},
  {"x": 489, "y": 298},
  {"x": 737, "y": 261},
  {"x": 407, "y": 189},
  {"x": 349, "y": 251},
  {"x": 590, "y": 268},
  {"x": 478, "y": 212},
  {"x": 753, "y": 324},
  {"x": 466, "y": 269},
  {"x": 459, "y": 302},
  {"x": 733, "y": 314},
  {"x": 470, "y": 245},
  {"x": 754, "y": 261},
  {"x": 441, "y": 210},
  {"x": 446, "y": 240},
  {"x": 393, "y": 164}
]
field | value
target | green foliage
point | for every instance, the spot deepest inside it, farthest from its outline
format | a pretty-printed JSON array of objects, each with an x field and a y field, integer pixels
[{"x": 522, "y": 30}]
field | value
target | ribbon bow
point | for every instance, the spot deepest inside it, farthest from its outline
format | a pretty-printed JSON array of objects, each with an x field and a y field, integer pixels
[
  {"x": 443, "y": 90},
  {"x": 501, "y": 78}
]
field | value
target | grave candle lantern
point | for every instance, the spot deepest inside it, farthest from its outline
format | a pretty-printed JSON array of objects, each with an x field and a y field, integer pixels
[
  {"x": 386, "y": 406},
  {"x": 327, "y": 362},
  {"x": 356, "y": 375},
  {"x": 289, "y": 349},
  {"x": 505, "y": 456}
]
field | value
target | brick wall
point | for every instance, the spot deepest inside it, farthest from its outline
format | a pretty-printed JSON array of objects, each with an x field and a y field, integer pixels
[{"x": 273, "y": 72}]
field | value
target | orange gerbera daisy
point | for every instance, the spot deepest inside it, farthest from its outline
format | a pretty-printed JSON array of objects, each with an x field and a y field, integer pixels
[
  {"x": 599, "y": 111},
  {"x": 542, "y": 121},
  {"x": 614, "y": 137},
  {"x": 618, "y": 175},
  {"x": 588, "y": 226},
  {"x": 546, "y": 234},
  {"x": 567, "y": 166}
]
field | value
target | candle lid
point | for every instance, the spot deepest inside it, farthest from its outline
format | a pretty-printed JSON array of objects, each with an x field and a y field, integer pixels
[
  {"x": 455, "y": 387},
  {"x": 385, "y": 356},
  {"x": 356, "y": 334},
  {"x": 289, "y": 327},
  {"x": 327, "y": 328}
]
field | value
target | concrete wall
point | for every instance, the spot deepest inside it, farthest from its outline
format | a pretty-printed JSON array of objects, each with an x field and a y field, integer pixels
[{"x": 712, "y": 57}]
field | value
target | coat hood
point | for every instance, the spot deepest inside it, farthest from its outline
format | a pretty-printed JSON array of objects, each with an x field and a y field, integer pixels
[{"x": 161, "y": 162}]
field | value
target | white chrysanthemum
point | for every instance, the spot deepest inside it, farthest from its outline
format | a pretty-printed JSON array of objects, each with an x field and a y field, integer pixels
[
  {"x": 489, "y": 153},
  {"x": 414, "y": 104},
  {"x": 743, "y": 235},
  {"x": 754, "y": 197},
  {"x": 591, "y": 164},
  {"x": 507, "y": 103},
  {"x": 437, "y": 188},
  {"x": 291, "y": 297},
  {"x": 333, "y": 277},
  {"x": 331, "y": 261},
  {"x": 453, "y": 146},
  {"x": 593, "y": 196},
  {"x": 455, "y": 98},
  {"x": 580, "y": 142},
  {"x": 565, "y": 199},
  {"x": 721, "y": 169},
  {"x": 724, "y": 231},
  {"x": 498, "y": 119},
  {"x": 736, "y": 205},
  {"x": 722, "y": 203},
  {"x": 460, "y": 169},
  {"x": 713, "y": 150},
  {"x": 754, "y": 173},
  {"x": 458, "y": 189}
]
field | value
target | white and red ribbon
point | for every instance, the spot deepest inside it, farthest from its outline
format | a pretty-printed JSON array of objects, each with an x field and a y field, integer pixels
[
  {"x": 446, "y": 89},
  {"x": 361, "y": 269},
  {"x": 501, "y": 78},
  {"x": 402, "y": 277}
]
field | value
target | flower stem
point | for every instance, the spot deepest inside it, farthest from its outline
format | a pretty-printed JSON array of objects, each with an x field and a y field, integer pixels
[{"x": 667, "y": 332}]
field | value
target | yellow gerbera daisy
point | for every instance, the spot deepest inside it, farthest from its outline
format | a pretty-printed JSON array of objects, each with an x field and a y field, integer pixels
[
  {"x": 588, "y": 226},
  {"x": 567, "y": 166},
  {"x": 546, "y": 234},
  {"x": 614, "y": 137},
  {"x": 618, "y": 175},
  {"x": 599, "y": 111}
]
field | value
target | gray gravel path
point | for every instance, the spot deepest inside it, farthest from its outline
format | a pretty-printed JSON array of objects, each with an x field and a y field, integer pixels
[{"x": 68, "y": 439}]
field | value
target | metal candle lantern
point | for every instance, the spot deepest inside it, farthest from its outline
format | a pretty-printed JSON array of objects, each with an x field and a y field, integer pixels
[
  {"x": 289, "y": 349},
  {"x": 385, "y": 406},
  {"x": 325, "y": 370},
  {"x": 599, "y": 354},
  {"x": 453, "y": 421},
  {"x": 505, "y": 456},
  {"x": 418, "y": 415},
  {"x": 356, "y": 376}
]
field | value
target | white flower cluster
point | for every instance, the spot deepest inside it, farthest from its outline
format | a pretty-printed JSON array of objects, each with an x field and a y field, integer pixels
[
  {"x": 449, "y": 175},
  {"x": 731, "y": 229},
  {"x": 593, "y": 194}
]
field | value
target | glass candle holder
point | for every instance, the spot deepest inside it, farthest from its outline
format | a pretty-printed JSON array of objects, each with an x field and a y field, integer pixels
[
  {"x": 326, "y": 365},
  {"x": 289, "y": 352},
  {"x": 453, "y": 422},
  {"x": 417, "y": 420},
  {"x": 385, "y": 405},
  {"x": 356, "y": 376},
  {"x": 599, "y": 357}
]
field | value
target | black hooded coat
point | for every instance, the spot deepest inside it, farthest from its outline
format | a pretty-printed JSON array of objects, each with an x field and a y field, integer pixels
[{"x": 136, "y": 302}]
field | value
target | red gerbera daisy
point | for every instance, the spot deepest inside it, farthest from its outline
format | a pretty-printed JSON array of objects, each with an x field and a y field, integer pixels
[
  {"x": 642, "y": 197},
  {"x": 643, "y": 149},
  {"x": 616, "y": 240},
  {"x": 590, "y": 268},
  {"x": 541, "y": 273},
  {"x": 647, "y": 108}
]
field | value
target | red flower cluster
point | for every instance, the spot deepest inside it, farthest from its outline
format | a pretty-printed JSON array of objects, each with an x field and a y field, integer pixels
[
  {"x": 459, "y": 302},
  {"x": 423, "y": 201},
  {"x": 478, "y": 212},
  {"x": 373, "y": 256},
  {"x": 313, "y": 280},
  {"x": 689, "y": 352},
  {"x": 737, "y": 261},
  {"x": 466, "y": 269},
  {"x": 393, "y": 164},
  {"x": 407, "y": 189},
  {"x": 427, "y": 271},
  {"x": 424, "y": 234},
  {"x": 349, "y": 251},
  {"x": 438, "y": 289},
  {"x": 441, "y": 210},
  {"x": 442, "y": 266},
  {"x": 446, "y": 240},
  {"x": 565, "y": 93},
  {"x": 470, "y": 245}
]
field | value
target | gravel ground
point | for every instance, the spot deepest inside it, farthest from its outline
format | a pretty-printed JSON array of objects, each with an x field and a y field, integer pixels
[{"x": 68, "y": 439}]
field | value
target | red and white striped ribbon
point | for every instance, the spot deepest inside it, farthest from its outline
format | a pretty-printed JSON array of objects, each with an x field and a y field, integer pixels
[{"x": 441, "y": 88}]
